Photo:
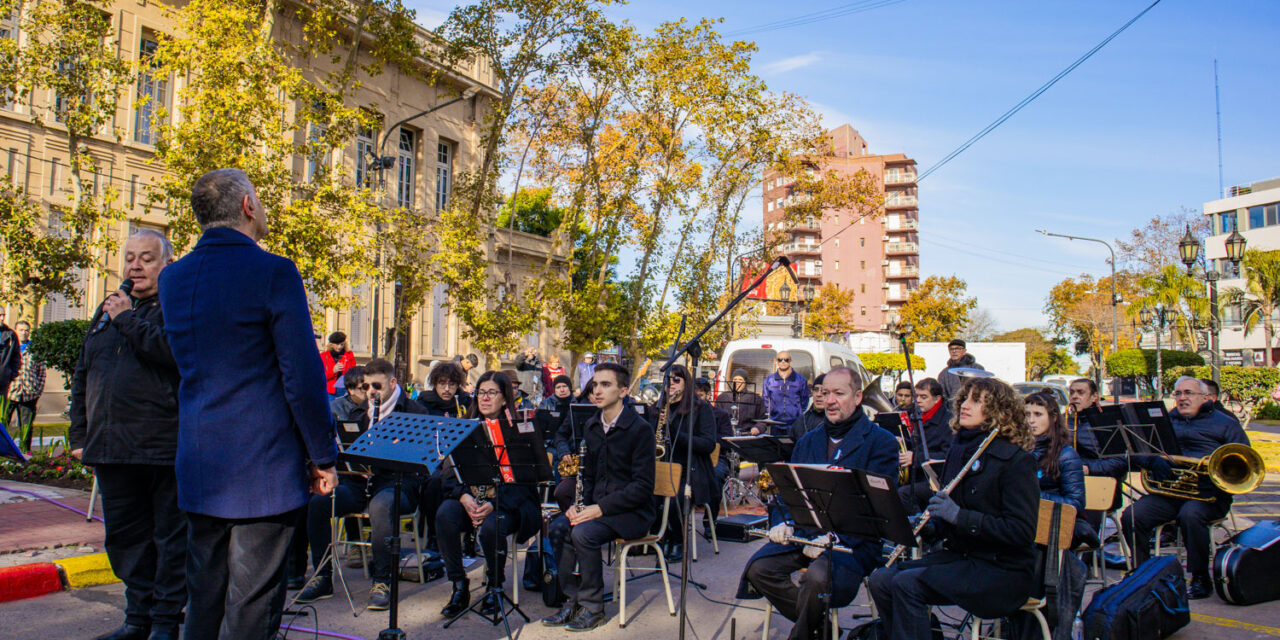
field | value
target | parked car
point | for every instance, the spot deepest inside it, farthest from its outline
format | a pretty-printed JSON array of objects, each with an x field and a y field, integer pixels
[
  {"x": 1059, "y": 391},
  {"x": 808, "y": 357}
]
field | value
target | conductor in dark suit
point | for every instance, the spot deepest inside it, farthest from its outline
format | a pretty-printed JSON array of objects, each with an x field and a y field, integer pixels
[{"x": 255, "y": 433}]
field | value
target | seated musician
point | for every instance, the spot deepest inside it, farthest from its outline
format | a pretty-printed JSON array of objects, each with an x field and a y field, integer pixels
[
  {"x": 1082, "y": 416},
  {"x": 902, "y": 396},
  {"x": 936, "y": 417},
  {"x": 561, "y": 395},
  {"x": 514, "y": 509},
  {"x": 1058, "y": 465},
  {"x": 816, "y": 415},
  {"x": 443, "y": 397},
  {"x": 354, "y": 494},
  {"x": 616, "y": 501},
  {"x": 724, "y": 429},
  {"x": 1200, "y": 429},
  {"x": 565, "y": 444},
  {"x": 1214, "y": 392},
  {"x": 848, "y": 439},
  {"x": 687, "y": 415},
  {"x": 744, "y": 406},
  {"x": 986, "y": 526}
]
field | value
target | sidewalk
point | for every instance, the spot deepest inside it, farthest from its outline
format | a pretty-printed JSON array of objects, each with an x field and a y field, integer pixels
[{"x": 33, "y": 530}]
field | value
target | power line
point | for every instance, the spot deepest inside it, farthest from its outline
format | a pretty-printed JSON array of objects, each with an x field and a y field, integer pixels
[
  {"x": 817, "y": 16},
  {"x": 1035, "y": 94}
]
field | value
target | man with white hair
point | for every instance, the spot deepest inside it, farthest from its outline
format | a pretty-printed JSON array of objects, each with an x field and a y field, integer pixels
[{"x": 1200, "y": 429}]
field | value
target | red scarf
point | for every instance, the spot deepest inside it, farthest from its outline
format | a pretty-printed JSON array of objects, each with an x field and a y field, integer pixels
[
  {"x": 927, "y": 416},
  {"x": 495, "y": 436}
]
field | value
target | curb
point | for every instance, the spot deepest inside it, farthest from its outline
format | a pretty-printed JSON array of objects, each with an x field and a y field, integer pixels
[
  {"x": 87, "y": 571},
  {"x": 29, "y": 581}
]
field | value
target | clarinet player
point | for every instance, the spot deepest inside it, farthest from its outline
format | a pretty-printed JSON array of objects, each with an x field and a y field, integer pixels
[{"x": 614, "y": 498}]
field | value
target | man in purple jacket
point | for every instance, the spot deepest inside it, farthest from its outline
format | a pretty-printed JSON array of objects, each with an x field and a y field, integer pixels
[
  {"x": 255, "y": 435},
  {"x": 786, "y": 394}
]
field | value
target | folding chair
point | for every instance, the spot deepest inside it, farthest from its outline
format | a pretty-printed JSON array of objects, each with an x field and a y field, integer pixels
[
  {"x": 666, "y": 481},
  {"x": 1099, "y": 495}
]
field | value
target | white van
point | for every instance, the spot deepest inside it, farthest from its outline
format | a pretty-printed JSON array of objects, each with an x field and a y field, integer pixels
[{"x": 808, "y": 357}]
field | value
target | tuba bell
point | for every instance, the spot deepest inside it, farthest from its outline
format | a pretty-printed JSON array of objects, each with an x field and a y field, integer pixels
[
  {"x": 873, "y": 398},
  {"x": 1233, "y": 468}
]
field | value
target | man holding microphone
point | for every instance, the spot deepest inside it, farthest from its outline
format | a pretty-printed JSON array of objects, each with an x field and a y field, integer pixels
[{"x": 256, "y": 433}]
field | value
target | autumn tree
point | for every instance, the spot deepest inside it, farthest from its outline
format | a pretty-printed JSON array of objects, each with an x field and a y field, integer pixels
[
  {"x": 1184, "y": 300},
  {"x": 1080, "y": 310},
  {"x": 830, "y": 312},
  {"x": 1155, "y": 246},
  {"x": 938, "y": 310},
  {"x": 980, "y": 327},
  {"x": 1044, "y": 356},
  {"x": 67, "y": 72}
]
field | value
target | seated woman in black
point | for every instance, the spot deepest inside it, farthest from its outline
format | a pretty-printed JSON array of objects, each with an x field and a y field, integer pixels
[
  {"x": 1059, "y": 467},
  {"x": 515, "y": 509},
  {"x": 986, "y": 526}
]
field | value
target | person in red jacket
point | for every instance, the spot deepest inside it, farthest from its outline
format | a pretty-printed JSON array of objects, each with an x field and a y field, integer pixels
[
  {"x": 549, "y": 372},
  {"x": 337, "y": 360}
]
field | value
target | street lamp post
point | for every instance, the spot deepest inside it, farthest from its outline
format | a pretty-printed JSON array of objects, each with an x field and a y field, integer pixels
[
  {"x": 381, "y": 163},
  {"x": 1189, "y": 251},
  {"x": 1159, "y": 318},
  {"x": 1115, "y": 298}
]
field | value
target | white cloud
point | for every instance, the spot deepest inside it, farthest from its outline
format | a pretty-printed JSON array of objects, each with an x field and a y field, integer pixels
[{"x": 791, "y": 64}]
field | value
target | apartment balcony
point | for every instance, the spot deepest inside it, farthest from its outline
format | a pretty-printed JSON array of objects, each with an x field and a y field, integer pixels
[
  {"x": 901, "y": 202},
  {"x": 802, "y": 248},
  {"x": 901, "y": 248},
  {"x": 896, "y": 296},
  {"x": 909, "y": 224},
  {"x": 809, "y": 225},
  {"x": 902, "y": 272},
  {"x": 899, "y": 178}
]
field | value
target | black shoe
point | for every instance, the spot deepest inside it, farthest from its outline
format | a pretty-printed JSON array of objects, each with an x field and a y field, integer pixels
[
  {"x": 459, "y": 601},
  {"x": 675, "y": 552},
  {"x": 127, "y": 632},
  {"x": 295, "y": 582},
  {"x": 561, "y": 617},
  {"x": 380, "y": 597},
  {"x": 319, "y": 588},
  {"x": 492, "y": 605},
  {"x": 585, "y": 621},
  {"x": 163, "y": 634},
  {"x": 1201, "y": 588}
]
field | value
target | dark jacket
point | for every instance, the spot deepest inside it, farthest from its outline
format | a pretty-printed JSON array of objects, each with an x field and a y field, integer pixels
[
  {"x": 724, "y": 426},
  {"x": 1068, "y": 487},
  {"x": 1080, "y": 427},
  {"x": 987, "y": 563},
  {"x": 10, "y": 357},
  {"x": 1199, "y": 435},
  {"x": 868, "y": 447},
  {"x": 568, "y": 438},
  {"x": 344, "y": 410},
  {"x": 618, "y": 473},
  {"x": 750, "y": 407},
  {"x": 382, "y": 477},
  {"x": 808, "y": 421},
  {"x": 451, "y": 408},
  {"x": 938, "y": 435},
  {"x": 701, "y": 422},
  {"x": 785, "y": 398},
  {"x": 124, "y": 392},
  {"x": 252, "y": 407},
  {"x": 951, "y": 382}
]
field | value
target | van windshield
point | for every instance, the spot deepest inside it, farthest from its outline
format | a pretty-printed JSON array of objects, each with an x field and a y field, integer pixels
[{"x": 759, "y": 364}]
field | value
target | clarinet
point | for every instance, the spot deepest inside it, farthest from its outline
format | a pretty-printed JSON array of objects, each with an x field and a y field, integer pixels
[{"x": 577, "y": 491}]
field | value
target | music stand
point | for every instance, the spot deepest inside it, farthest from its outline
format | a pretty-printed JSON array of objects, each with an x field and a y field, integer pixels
[
  {"x": 9, "y": 448},
  {"x": 475, "y": 462},
  {"x": 837, "y": 501},
  {"x": 406, "y": 443}
]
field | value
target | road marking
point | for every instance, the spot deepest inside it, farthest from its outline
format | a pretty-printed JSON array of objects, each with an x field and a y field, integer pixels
[{"x": 1235, "y": 624}]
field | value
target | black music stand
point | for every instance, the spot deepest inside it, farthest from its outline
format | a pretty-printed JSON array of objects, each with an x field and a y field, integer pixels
[
  {"x": 762, "y": 450},
  {"x": 406, "y": 443},
  {"x": 475, "y": 461},
  {"x": 841, "y": 502}
]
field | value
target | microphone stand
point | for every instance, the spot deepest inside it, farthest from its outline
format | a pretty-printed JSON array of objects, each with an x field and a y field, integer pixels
[
  {"x": 913, "y": 412},
  {"x": 694, "y": 348}
]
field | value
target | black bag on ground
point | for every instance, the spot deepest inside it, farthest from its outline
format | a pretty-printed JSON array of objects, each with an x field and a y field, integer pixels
[
  {"x": 1149, "y": 603},
  {"x": 1245, "y": 569}
]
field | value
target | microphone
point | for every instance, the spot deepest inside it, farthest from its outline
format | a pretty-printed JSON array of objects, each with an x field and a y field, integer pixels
[{"x": 126, "y": 286}]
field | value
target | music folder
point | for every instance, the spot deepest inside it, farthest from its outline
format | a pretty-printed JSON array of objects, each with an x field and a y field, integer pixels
[
  {"x": 762, "y": 449},
  {"x": 842, "y": 501}
]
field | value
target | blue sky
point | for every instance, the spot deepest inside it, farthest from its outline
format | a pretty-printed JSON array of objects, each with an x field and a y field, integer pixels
[{"x": 1128, "y": 135}]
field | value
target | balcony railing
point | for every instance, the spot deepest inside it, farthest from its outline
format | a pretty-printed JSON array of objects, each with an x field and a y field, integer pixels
[
  {"x": 901, "y": 247},
  {"x": 801, "y": 247},
  {"x": 899, "y": 178},
  {"x": 902, "y": 272},
  {"x": 901, "y": 201},
  {"x": 909, "y": 224}
]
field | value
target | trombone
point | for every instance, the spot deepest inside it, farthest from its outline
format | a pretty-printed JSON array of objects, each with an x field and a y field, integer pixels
[{"x": 1233, "y": 468}]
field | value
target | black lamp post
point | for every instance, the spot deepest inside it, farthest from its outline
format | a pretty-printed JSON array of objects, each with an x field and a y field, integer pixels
[
  {"x": 1189, "y": 251},
  {"x": 1157, "y": 320},
  {"x": 798, "y": 322}
]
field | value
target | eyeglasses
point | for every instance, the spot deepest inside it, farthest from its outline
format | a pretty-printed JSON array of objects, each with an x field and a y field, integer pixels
[
  {"x": 1182, "y": 393},
  {"x": 784, "y": 359},
  {"x": 377, "y": 386},
  {"x": 448, "y": 384},
  {"x": 488, "y": 393}
]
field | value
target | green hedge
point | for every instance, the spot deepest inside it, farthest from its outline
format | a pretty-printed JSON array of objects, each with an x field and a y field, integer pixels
[
  {"x": 1248, "y": 385},
  {"x": 57, "y": 345},
  {"x": 878, "y": 363},
  {"x": 1142, "y": 362}
]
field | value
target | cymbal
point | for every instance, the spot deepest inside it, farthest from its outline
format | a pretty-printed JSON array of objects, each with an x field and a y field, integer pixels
[
  {"x": 970, "y": 372},
  {"x": 769, "y": 422}
]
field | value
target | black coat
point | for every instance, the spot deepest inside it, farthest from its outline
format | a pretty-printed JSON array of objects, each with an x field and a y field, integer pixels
[
  {"x": 452, "y": 408},
  {"x": 938, "y": 435},
  {"x": 124, "y": 392},
  {"x": 808, "y": 421},
  {"x": 10, "y": 358},
  {"x": 382, "y": 477},
  {"x": 750, "y": 407},
  {"x": 701, "y": 422},
  {"x": 618, "y": 473},
  {"x": 987, "y": 563}
]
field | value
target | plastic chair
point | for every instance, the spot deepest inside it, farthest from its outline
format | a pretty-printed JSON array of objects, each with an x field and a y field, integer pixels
[
  {"x": 1179, "y": 548},
  {"x": 1044, "y": 525},
  {"x": 408, "y": 523},
  {"x": 666, "y": 480}
]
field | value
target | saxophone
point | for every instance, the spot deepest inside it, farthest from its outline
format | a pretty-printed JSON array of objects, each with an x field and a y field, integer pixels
[{"x": 660, "y": 434}]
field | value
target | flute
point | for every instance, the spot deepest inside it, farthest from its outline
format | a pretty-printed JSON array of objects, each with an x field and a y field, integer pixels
[{"x": 764, "y": 533}]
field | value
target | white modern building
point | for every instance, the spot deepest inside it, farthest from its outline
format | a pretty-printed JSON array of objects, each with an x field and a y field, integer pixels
[{"x": 1254, "y": 210}]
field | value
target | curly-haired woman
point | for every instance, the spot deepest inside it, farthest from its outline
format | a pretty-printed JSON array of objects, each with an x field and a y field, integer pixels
[{"x": 986, "y": 526}]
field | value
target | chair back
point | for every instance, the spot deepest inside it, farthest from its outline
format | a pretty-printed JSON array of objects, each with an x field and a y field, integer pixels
[
  {"x": 715, "y": 455},
  {"x": 1066, "y": 525},
  {"x": 1099, "y": 493},
  {"x": 666, "y": 479}
]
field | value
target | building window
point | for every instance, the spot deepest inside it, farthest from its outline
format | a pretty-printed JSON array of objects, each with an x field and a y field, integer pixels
[
  {"x": 1227, "y": 222},
  {"x": 770, "y": 205},
  {"x": 1273, "y": 214},
  {"x": 360, "y": 319},
  {"x": 439, "y": 320},
  {"x": 8, "y": 31},
  {"x": 864, "y": 311},
  {"x": 407, "y": 169},
  {"x": 862, "y": 241},
  {"x": 837, "y": 243},
  {"x": 153, "y": 93},
  {"x": 318, "y": 162},
  {"x": 837, "y": 265},
  {"x": 862, "y": 264},
  {"x": 444, "y": 174},
  {"x": 863, "y": 287},
  {"x": 364, "y": 151},
  {"x": 1256, "y": 219}
]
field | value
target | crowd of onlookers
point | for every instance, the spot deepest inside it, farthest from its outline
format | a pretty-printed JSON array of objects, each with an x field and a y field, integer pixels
[{"x": 21, "y": 381}]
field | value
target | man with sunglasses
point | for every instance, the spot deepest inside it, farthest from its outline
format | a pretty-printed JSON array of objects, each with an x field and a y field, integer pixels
[
  {"x": 384, "y": 398},
  {"x": 786, "y": 394}
]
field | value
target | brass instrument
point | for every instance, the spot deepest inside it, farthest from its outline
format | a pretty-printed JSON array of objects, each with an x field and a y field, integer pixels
[
  {"x": 924, "y": 517},
  {"x": 873, "y": 398},
  {"x": 660, "y": 433},
  {"x": 568, "y": 465},
  {"x": 904, "y": 471},
  {"x": 764, "y": 533},
  {"x": 1234, "y": 468},
  {"x": 765, "y": 486}
]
